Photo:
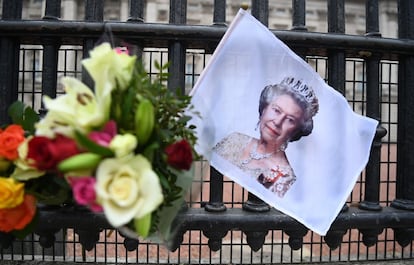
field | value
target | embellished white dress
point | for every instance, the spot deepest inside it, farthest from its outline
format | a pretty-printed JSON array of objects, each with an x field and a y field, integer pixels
[{"x": 278, "y": 178}]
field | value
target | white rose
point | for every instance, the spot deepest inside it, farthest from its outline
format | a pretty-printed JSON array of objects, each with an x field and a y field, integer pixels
[{"x": 127, "y": 188}]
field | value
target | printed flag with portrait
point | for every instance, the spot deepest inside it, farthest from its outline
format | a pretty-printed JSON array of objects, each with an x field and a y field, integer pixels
[{"x": 246, "y": 100}]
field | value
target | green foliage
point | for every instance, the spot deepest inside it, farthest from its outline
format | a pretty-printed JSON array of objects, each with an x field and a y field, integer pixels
[
  {"x": 23, "y": 115},
  {"x": 91, "y": 146},
  {"x": 169, "y": 126},
  {"x": 50, "y": 189}
]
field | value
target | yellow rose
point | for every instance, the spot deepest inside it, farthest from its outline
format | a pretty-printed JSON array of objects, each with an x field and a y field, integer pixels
[
  {"x": 11, "y": 193},
  {"x": 123, "y": 144},
  {"x": 127, "y": 188}
]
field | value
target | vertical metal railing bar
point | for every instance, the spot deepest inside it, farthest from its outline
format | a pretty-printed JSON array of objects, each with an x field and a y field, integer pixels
[
  {"x": 35, "y": 71},
  {"x": 136, "y": 11},
  {"x": 405, "y": 141},
  {"x": 76, "y": 70},
  {"x": 388, "y": 155},
  {"x": 219, "y": 13},
  {"x": 23, "y": 71},
  {"x": 9, "y": 60},
  {"x": 176, "y": 49},
  {"x": 94, "y": 10},
  {"x": 311, "y": 247},
  {"x": 336, "y": 58},
  {"x": 106, "y": 247},
  {"x": 52, "y": 9},
  {"x": 299, "y": 15},
  {"x": 372, "y": 172},
  {"x": 216, "y": 189},
  {"x": 260, "y": 10},
  {"x": 215, "y": 203},
  {"x": 299, "y": 22},
  {"x": 200, "y": 249},
  {"x": 372, "y": 18},
  {"x": 50, "y": 53},
  {"x": 340, "y": 252},
  {"x": 136, "y": 15},
  {"x": 231, "y": 246},
  {"x": 158, "y": 251},
  {"x": 282, "y": 246},
  {"x": 73, "y": 245},
  {"x": 353, "y": 82},
  {"x": 364, "y": 86},
  {"x": 147, "y": 252}
]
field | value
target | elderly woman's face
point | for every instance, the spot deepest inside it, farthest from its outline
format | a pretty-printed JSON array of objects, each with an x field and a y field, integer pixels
[{"x": 280, "y": 119}]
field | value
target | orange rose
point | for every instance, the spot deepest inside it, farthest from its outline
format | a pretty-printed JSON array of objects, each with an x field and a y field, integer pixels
[
  {"x": 18, "y": 217},
  {"x": 10, "y": 139}
]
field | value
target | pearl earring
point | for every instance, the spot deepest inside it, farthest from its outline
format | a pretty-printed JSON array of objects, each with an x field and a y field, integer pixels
[{"x": 283, "y": 146}]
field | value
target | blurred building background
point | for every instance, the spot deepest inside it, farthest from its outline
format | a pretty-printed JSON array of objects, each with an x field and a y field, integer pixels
[{"x": 199, "y": 12}]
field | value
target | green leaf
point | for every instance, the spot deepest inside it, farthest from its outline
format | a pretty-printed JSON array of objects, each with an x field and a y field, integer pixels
[
  {"x": 128, "y": 108},
  {"x": 143, "y": 225},
  {"x": 164, "y": 181},
  {"x": 23, "y": 115},
  {"x": 149, "y": 151},
  {"x": 30, "y": 119},
  {"x": 15, "y": 112},
  {"x": 91, "y": 146},
  {"x": 184, "y": 119},
  {"x": 49, "y": 189},
  {"x": 157, "y": 65}
]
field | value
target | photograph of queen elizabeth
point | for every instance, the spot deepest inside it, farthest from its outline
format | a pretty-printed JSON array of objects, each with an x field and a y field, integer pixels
[
  {"x": 286, "y": 112},
  {"x": 268, "y": 121}
]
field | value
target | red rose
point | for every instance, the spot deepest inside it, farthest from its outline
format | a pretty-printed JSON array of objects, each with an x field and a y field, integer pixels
[
  {"x": 179, "y": 155},
  {"x": 47, "y": 153}
]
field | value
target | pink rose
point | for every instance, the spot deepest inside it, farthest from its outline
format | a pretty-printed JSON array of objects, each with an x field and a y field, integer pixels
[
  {"x": 84, "y": 192},
  {"x": 105, "y": 136},
  {"x": 121, "y": 50}
]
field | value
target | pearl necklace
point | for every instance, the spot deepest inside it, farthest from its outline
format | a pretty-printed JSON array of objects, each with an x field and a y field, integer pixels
[{"x": 254, "y": 155}]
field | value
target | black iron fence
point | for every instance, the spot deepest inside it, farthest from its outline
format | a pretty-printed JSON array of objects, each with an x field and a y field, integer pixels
[{"x": 224, "y": 223}]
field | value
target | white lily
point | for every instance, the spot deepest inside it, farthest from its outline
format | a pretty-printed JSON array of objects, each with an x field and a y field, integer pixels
[
  {"x": 77, "y": 109},
  {"x": 107, "y": 69}
]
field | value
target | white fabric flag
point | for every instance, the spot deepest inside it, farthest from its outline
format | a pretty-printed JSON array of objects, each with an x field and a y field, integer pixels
[{"x": 270, "y": 123}]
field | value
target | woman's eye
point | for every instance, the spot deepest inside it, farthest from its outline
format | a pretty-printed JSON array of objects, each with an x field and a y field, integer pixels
[{"x": 291, "y": 121}]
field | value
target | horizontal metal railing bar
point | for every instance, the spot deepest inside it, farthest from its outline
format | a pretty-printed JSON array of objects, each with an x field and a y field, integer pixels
[
  {"x": 196, "y": 36},
  {"x": 197, "y": 219},
  {"x": 234, "y": 219}
]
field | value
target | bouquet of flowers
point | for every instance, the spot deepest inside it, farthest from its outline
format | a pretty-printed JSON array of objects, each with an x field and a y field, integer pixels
[{"x": 123, "y": 148}]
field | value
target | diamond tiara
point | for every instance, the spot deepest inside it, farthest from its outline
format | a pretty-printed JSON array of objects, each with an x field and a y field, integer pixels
[{"x": 299, "y": 87}]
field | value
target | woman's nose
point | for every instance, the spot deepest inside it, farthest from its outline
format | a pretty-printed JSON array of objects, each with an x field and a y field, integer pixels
[{"x": 277, "y": 121}]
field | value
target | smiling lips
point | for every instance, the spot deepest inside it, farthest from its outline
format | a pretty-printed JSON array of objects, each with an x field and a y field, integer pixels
[{"x": 272, "y": 130}]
